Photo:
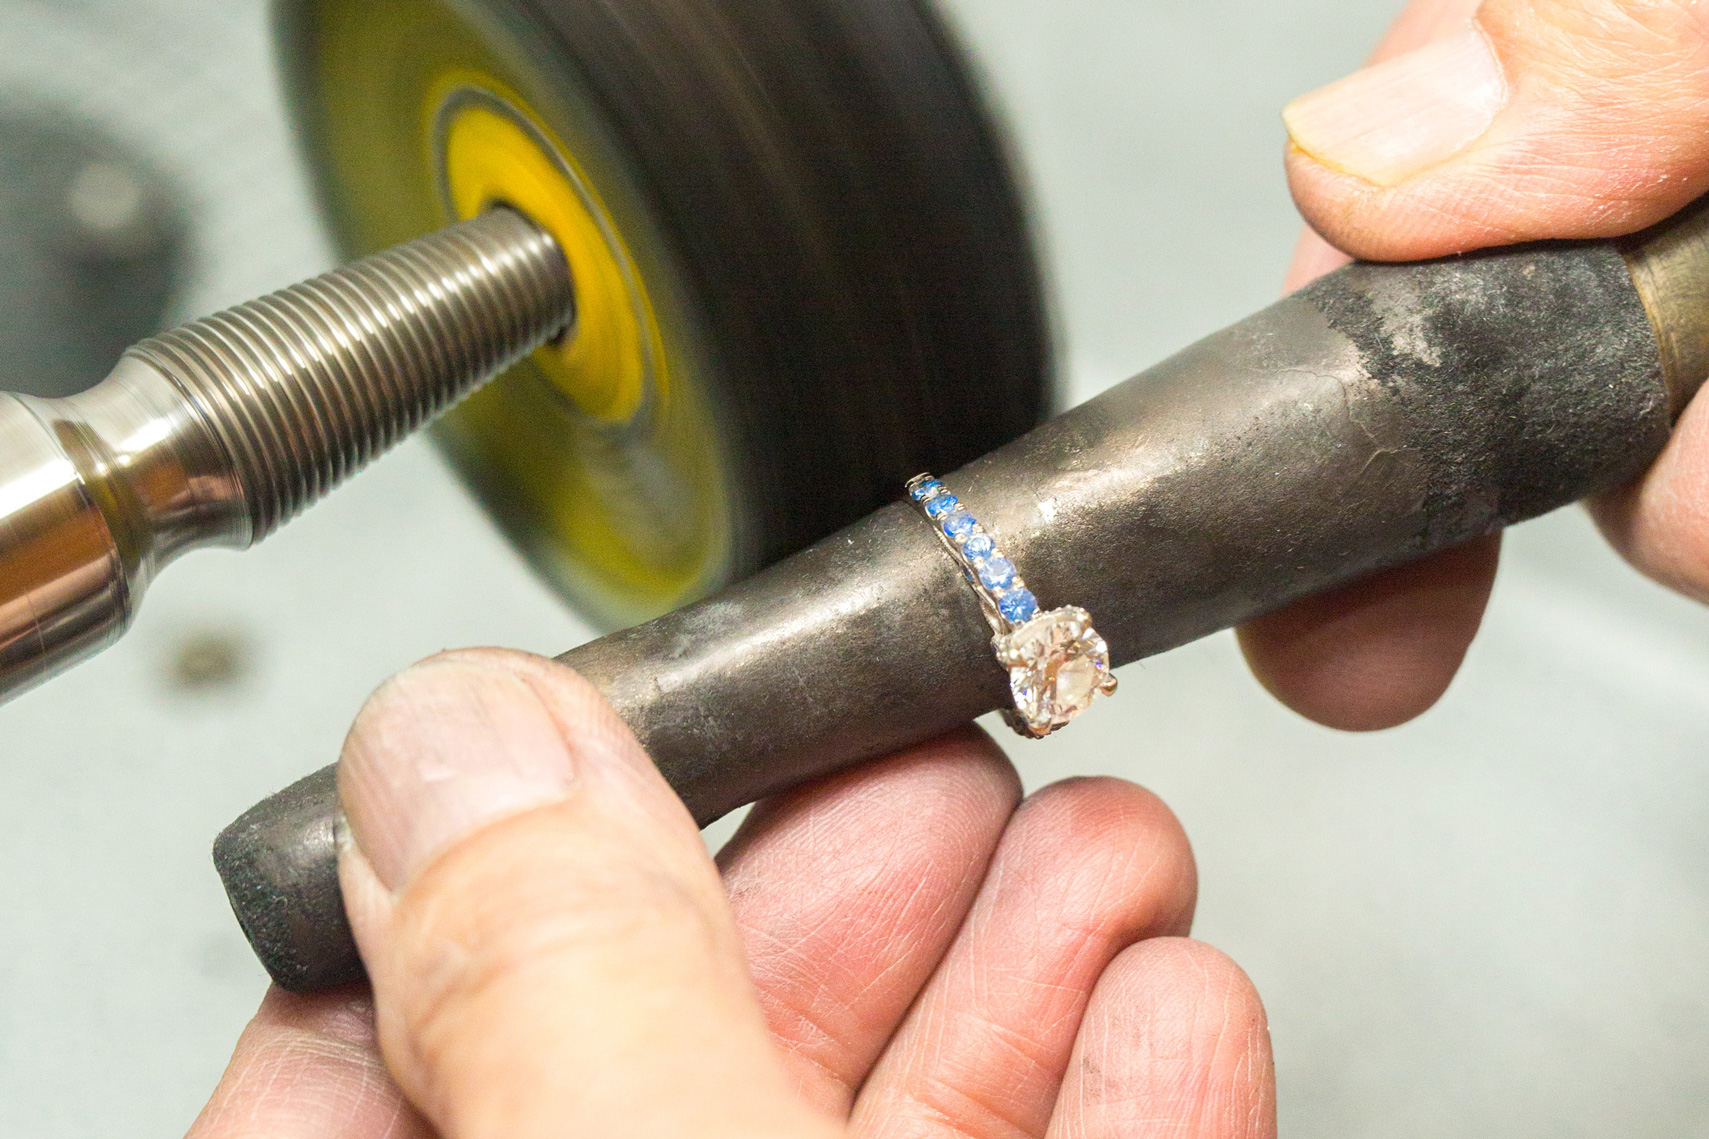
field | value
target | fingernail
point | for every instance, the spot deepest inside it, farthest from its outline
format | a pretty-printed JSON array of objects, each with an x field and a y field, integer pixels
[
  {"x": 1388, "y": 122},
  {"x": 447, "y": 748}
]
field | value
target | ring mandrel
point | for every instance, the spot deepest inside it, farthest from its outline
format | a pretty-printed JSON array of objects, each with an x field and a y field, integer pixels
[
  {"x": 217, "y": 433},
  {"x": 1378, "y": 415}
]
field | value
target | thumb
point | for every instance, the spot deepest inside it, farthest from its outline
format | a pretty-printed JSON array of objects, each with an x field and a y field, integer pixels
[
  {"x": 1533, "y": 119},
  {"x": 549, "y": 943}
]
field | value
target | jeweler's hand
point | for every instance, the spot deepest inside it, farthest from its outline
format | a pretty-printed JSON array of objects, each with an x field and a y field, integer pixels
[
  {"x": 900, "y": 950},
  {"x": 1477, "y": 125}
]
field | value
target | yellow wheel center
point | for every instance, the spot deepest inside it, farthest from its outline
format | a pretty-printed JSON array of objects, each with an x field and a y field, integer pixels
[
  {"x": 600, "y": 454},
  {"x": 610, "y": 362}
]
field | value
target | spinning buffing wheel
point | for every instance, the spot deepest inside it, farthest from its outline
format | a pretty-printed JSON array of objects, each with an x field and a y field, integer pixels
[{"x": 802, "y": 271}]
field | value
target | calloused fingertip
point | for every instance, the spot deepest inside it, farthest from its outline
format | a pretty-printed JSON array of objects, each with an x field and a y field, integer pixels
[
  {"x": 1378, "y": 652},
  {"x": 1659, "y": 522},
  {"x": 1352, "y": 686},
  {"x": 1174, "y": 1041},
  {"x": 1198, "y": 981},
  {"x": 849, "y": 890},
  {"x": 1072, "y": 820}
]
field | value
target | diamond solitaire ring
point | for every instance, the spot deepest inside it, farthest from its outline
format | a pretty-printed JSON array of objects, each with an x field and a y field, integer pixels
[{"x": 1057, "y": 662}]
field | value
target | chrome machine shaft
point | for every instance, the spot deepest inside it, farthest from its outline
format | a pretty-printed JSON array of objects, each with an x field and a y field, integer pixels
[{"x": 217, "y": 433}]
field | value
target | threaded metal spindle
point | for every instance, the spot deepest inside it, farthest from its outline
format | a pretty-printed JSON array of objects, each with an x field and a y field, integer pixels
[{"x": 305, "y": 386}]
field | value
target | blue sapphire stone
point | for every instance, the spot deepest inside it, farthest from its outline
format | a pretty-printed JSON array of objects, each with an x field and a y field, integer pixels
[
  {"x": 1018, "y": 605},
  {"x": 979, "y": 546},
  {"x": 926, "y": 489},
  {"x": 959, "y": 523},
  {"x": 997, "y": 572},
  {"x": 941, "y": 505}
]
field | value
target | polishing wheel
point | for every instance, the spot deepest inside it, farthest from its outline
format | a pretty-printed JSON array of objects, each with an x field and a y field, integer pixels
[{"x": 802, "y": 271}]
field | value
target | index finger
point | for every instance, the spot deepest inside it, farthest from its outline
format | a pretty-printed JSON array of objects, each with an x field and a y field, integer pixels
[
  {"x": 849, "y": 891},
  {"x": 306, "y": 1067}
]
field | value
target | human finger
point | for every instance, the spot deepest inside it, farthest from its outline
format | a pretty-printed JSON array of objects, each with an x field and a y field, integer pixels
[
  {"x": 1084, "y": 869},
  {"x": 847, "y": 892},
  {"x": 1532, "y": 119},
  {"x": 1381, "y": 650},
  {"x": 306, "y": 1067},
  {"x": 1419, "y": 23},
  {"x": 1173, "y": 1043},
  {"x": 1559, "y": 118},
  {"x": 1336, "y": 658},
  {"x": 548, "y": 940},
  {"x": 1660, "y": 522}
]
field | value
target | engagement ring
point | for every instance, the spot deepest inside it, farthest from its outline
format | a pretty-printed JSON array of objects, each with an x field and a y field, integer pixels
[{"x": 1057, "y": 662}]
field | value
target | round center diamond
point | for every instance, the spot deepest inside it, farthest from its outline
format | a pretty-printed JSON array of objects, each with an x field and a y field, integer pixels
[{"x": 1057, "y": 664}]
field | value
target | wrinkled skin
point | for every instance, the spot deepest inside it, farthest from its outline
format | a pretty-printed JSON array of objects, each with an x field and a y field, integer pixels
[
  {"x": 910, "y": 949},
  {"x": 907, "y": 949},
  {"x": 1593, "y": 122}
]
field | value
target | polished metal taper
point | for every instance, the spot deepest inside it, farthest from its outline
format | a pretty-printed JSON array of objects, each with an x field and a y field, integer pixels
[{"x": 217, "y": 433}]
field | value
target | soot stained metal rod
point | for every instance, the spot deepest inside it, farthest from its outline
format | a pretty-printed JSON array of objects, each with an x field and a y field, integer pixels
[{"x": 1383, "y": 413}]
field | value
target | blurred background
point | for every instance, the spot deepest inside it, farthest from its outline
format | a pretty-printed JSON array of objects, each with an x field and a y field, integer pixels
[{"x": 1494, "y": 920}]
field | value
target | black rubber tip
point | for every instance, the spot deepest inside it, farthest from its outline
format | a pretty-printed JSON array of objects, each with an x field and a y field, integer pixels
[{"x": 279, "y": 863}]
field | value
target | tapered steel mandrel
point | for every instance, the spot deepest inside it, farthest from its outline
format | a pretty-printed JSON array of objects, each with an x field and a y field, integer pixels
[
  {"x": 217, "y": 433},
  {"x": 1381, "y": 414}
]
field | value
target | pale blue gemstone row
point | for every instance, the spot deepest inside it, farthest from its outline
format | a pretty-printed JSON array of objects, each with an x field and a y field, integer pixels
[{"x": 996, "y": 572}]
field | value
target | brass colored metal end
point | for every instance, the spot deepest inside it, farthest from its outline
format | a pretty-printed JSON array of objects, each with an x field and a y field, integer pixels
[{"x": 1670, "y": 266}]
